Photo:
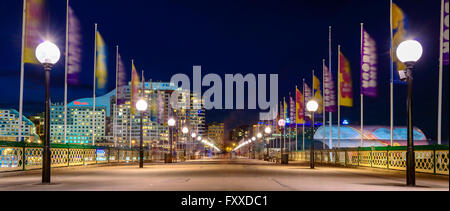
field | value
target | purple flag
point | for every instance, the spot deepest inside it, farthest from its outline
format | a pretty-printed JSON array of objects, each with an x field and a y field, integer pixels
[
  {"x": 307, "y": 92},
  {"x": 368, "y": 65},
  {"x": 291, "y": 110},
  {"x": 74, "y": 49},
  {"x": 445, "y": 35},
  {"x": 121, "y": 80},
  {"x": 330, "y": 92}
]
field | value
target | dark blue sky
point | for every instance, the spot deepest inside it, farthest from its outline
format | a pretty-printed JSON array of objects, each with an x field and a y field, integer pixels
[{"x": 284, "y": 37}]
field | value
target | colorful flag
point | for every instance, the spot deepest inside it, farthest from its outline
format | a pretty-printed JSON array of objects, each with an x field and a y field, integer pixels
[
  {"x": 399, "y": 25},
  {"x": 153, "y": 106},
  {"x": 292, "y": 108},
  {"x": 445, "y": 35},
  {"x": 285, "y": 109},
  {"x": 160, "y": 107},
  {"x": 329, "y": 91},
  {"x": 121, "y": 79},
  {"x": 345, "y": 79},
  {"x": 33, "y": 27},
  {"x": 299, "y": 106},
  {"x": 134, "y": 88},
  {"x": 368, "y": 65},
  {"x": 101, "y": 72},
  {"x": 318, "y": 94},
  {"x": 74, "y": 48}
]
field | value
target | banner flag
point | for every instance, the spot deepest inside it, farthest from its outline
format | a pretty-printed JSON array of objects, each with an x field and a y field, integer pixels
[
  {"x": 292, "y": 108},
  {"x": 160, "y": 107},
  {"x": 33, "y": 27},
  {"x": 74, "y": 48},
  {"x": 368, "y": 65},
  {"x": 318, "y": 94},
  {"x": 101, "y": 73},
  {"x": 445, "y": 36},
  {"x": 307, "y": 93},
  {"x": 345, "y": 78},
  {"x": 399, "y": 26},
  {"x": 285, "y": 109},
  {"x": 121, "y": 80},
  {"x": 134, "y": 88},
  {"x": 330, "y": 92},
  {"x": 299, "y": 106}
]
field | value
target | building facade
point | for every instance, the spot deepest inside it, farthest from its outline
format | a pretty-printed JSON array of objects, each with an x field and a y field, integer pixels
[
  {"x": 9, "y": 127},
  {"x": 215, "y": 132}
]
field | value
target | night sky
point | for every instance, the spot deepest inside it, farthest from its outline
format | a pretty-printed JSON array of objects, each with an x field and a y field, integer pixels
[{"x": 288, "y": 38}]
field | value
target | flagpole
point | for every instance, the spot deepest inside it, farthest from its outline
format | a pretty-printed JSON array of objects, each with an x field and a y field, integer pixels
[
  {"x": 117, "y": 95},
  {"x": 392, "y": 80},
  {"x": 296, "y": 117},
  {"x": 304, "y": 121},
  {"x": 95, "y": 70},
  {"x": 441, "y": 45},
  {"x": 65, "y": 72},
  {"x": 361, "y": 94},
  {"x": 131, "y": 100},
  {"x": 329, "y": 67},
  {"x": 339, "y": 97},
  {"x": 22, "y": 69},
  {"x": 323, "y": 104}
]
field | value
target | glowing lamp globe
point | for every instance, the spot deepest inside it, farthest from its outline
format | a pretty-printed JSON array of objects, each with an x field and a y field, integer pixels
[
  {"x": 312, "y": 106},
  {"x": 47, "y": 53},
  {"x": 171, "y": 122},
  {"x": 193, "y": 135},
  {"x": 199, "y": 138},
  {"x": 409, "y": 51},
  {"x": 259, "y": 135},
  {"x": 253, "y": 138},
  {"x": 267, "y": 130},
  {"x": 281, "y": 122},
  {"x": 141, "y": 105},
  {"x": 185, "y": 130}
]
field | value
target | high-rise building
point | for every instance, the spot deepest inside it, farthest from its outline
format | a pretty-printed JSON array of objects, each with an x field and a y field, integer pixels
[
  {"x": 240, "y": 132},
  {"x": 215, "y": 132},
  {"x": 9, "y": 127}
]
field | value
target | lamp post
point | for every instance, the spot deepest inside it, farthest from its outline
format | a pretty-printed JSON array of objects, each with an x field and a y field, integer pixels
[
  {"x": 47, "y": 54},
  {"x": 193, "y": 135},
  {"x": 267, "y": 131},
  {"x": 253, "y": 146},
  {"x": 409, "y": 52},
  {"x": 282, "y": 123},
  {"x": 199, "y": 138},
  {"x": 171, "y": 123},
  {"x": 312, "y": 107},
  {"x": 141, "y": 105},
  {"x": 185, "y": 130}
]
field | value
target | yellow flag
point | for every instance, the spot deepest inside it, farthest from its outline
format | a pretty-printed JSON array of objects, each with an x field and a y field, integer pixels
[
  {"x": 100, "y": 73},
  {"x": 318, "y": 94},
  {"x": 33, "y": 27},
  {"x": 345, "y": 90},
  {"x": 399, "y": 32},
  {"x": 134, "y": 88}
]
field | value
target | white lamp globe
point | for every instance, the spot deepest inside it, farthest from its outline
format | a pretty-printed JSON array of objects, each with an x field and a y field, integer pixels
[
  {"x": 259, "y": 135},
  {"x": 193, "y": 135},
  {"x": 185, "y": 130},
  {"x": 47, "y": 53},
  {"x": 199, "y": 138},
  {"x": 312, "y": 106},
  {"x": 141, "y": 105},
  {"x": 253, "y": 138},
  {"x": 281, "y": 122},
  {"x": 171, "y": 122},
  {"x": 267, "y": 130},
  {"x": 409, "y": 51}
]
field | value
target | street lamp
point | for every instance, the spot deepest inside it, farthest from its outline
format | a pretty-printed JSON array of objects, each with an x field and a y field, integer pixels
[
  {"x": 141, "y": 105},
  {"x": 267, "y": 131},
  {"x": 47, "y": 54},
  {"x": 409, "y": 52},
  {"x": 312, "y": 107},
  {"x": 171, "y": 123},
  {"x": 185, "y": 130},
  {"x": 193, "y": 135},
  {"x": 282, "y": 123}
]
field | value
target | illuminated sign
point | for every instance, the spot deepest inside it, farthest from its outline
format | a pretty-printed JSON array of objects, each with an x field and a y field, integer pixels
[{"x": 79, "y": 103}]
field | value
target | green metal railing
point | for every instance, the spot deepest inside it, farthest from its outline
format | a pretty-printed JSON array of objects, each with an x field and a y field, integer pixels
[
  {"x": 429, "y": 158},
  {"x": 24, "y": 156}
]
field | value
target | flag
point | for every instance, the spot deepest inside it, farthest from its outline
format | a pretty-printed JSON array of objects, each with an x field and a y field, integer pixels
[
  {"x": 121, "y": 79},
  {"x": 74, "y": 43},
  {"x": 160, "y": 107},
  {"x": 285, "y": 109},
  {"x": 292, "y": 108},
  {"x": 399, "y": 25},
  {"x": 134, "y": 88},
  {"x": 345, "y": 79},
  {"x": 101, "y": 73},
  {"x": 318, "y": 94},
  {"x": 368, "y": 65},
  {"x": 445, "y": 35},
  {"x": 329, "y": 90},
  {"x": 307, "y": 92},
  {"x": 281, "y": 111},
  {"x": 299, "y": 106},
  {"x": 33, "y": 26},
  {"x": 153, "y": 105}
]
